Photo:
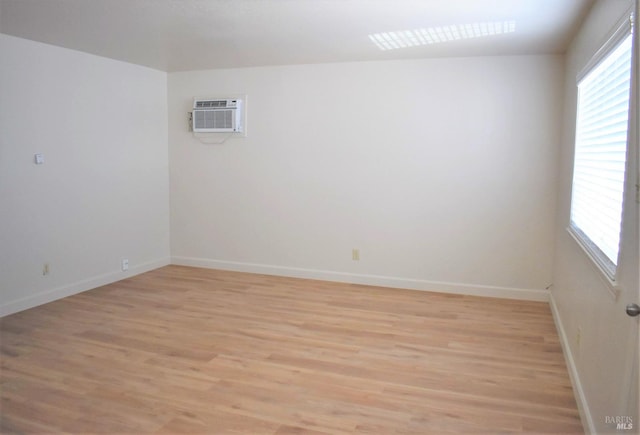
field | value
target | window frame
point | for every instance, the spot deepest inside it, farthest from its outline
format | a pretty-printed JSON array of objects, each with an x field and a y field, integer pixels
[{"x": 623, "y": 29}]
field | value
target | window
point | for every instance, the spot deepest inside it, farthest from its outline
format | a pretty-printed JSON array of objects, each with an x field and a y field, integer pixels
[{"x": 601, "y": 152}]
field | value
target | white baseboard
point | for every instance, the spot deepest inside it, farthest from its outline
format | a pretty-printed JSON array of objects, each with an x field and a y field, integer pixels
[
  {"x": 77, "y": 287},
  {"x": 374, "y": 280},
  {"x": 578, "y": 391}
]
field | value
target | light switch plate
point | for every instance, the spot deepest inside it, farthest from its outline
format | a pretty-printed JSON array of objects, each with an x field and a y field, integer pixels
[{"x": 39, "y": 159}]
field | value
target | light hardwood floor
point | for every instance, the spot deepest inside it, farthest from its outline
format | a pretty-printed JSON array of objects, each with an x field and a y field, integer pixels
[{"x": 187, "y": 350}]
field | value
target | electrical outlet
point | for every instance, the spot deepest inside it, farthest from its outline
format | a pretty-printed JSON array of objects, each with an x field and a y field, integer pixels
[
  {"x": 355, "y": 254},
  {"x": 45, "y": 269},
  {"x": 125, "y": 264}
]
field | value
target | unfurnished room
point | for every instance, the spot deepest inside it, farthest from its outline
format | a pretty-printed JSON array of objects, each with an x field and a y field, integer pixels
[{"x": 319, "y": 216}]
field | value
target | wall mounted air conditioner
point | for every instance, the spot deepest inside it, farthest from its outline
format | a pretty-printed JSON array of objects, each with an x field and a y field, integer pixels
[{"x": 217, "y": 116}]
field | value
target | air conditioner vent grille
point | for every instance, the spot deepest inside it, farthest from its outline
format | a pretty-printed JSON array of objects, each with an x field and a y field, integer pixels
[
  {"x": 210, "y": 119},
  {"x": 211, "y": 104},
  {"x": 217, "y": 116}
]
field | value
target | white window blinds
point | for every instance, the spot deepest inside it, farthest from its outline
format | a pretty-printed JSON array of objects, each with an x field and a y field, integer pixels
[{"x": 600, "y": 155}]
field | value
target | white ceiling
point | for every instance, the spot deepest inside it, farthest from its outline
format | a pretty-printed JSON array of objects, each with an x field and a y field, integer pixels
[{"x": 178, "y": 35}]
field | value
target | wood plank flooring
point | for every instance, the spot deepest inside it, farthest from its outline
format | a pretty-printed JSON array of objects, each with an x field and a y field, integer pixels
[{"x": 188, "y": 350}]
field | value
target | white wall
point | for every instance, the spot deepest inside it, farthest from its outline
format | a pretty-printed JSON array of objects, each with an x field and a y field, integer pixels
[
  {"x": 581, "y": 298},
  {"x": 102, "y": 192},
  {"x": 441, "y": 172}
]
